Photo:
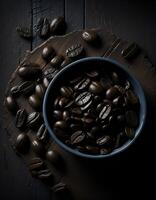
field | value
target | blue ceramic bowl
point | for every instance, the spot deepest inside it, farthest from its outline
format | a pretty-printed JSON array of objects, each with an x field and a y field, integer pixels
[{"x": 76, "y": 68}]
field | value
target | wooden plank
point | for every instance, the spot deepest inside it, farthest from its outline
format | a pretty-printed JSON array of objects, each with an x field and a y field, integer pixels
[
  {"x": 74, "y": 14},
  {"x": 45, "y": 8}
]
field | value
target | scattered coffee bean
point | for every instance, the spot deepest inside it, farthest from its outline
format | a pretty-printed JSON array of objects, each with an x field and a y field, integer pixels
[
  {"x": 21, "y": 117},
  {"x": 40, "y": 90},
  {"x": 48, "y": 52},
  {"x": 65, "y": 62},
  {"x": 22, "y": 143},
  {"x": 89, "y": 36},
  {"x": 44, "y": 30},
  {"x": 130, "y": 51},
  {"x": 58, "y": 26},
  {"x": 56, "y": 61},
  {"x": 29, "y": 71},
  {"x": 75, "y": 51},
  {"x": 24, "y": 32},
  {"x": 11, "y": 104},
  {"x": 53, "y": 157},
  {"x": 37, "y": 147},
  {"x": 34, "y": 120},
  {"x": 49, "y": 73},
  {"x": 35, "y": 164},
  {"x": 35, "y": 101},
  {"x": 42, "y": 133},
  {"x": 59, "y": 187},
  {"x": 23, "y": 88}
]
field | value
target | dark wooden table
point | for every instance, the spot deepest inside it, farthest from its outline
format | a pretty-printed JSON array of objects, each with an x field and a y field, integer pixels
[{"x": 130, "y": 20}]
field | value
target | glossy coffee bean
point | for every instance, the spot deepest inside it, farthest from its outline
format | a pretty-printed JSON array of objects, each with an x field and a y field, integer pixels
[
  {"x": 118, "y": 101},
  {"x": 93, "y": 74},
  {"x": 130, "y": 51},
  {"x": 104, "y": 112},
  {"x": 53, "y": 157},
  {"x": 22, "y": 143},
  {"x": 34, "y": 120},
  {"x": 63, "y": 102},
  {"x": 40, "y": 90},
  {"x": 42, "y": 133},
  {"x": 35, "y": 101},
  {"x": 95, "y": 87},
  {"x": 11, "y": 104},
  {"x": 45, "y": 82},
  {"x": 57, "y": 114},
  {"x": 30, "y": 71},
  {"x": 48, "y": 52},
  {"x": 76, "y": 111},
  {"x": 44, "y": 31},
  {"x": 92, "y": 149},
  {"x": 66, "y": 91},
  {"x": 21, "y": 117},
  {"x": 82, "y": 84},
  {"x": 89, "y": 36},
  {"x": 112, "y": 93},
  {"x": 104, "y": 140},
  {"x": 115, "y": 78},
  {"x": 77, "y": 137},
  {"x": 56, "y": 61},
  {"x": 37, "y": 147},
  {"x": 75, "y": 51},
  {"x": 58, "y": 26},
  {"x": 50, "y": 73},
  {"x": 60, "y": 125},
  {"x": 65, "y": 115},
  {"x": 83, "y": 98}
]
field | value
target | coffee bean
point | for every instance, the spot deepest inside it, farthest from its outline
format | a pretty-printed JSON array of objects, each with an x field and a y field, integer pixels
[
  {"x": 104, "y": 140},
  {"x": 26, "y": 88},
  {"x": 65, "y": 62},
  {"x": 65, "y": 115},
  {"x": 22, "y": 143},
  {"x": 57, "y": 114},
  {"x": 105, "y": 111},
  {"x": 89, "y": 36},
  {"x": 54, "y": 157},
  {"x": 39, "y": 25},
  {"x": 66, "y": 91},
  {"x": 56, "y": 102},
  {"x": 56, "y": 61},
  {"x": 42, "y": 133},
  {"x": 131, "y": 51},
  {"x": 75, "y": 126},
  {"x": 112, "y": 93},
  {"x": 121, "y": 89},
  {"x": 48, "y": 52},
  {"x": 76, "y": 80},
  {"x": 24, "y": 32},
  {"x": 92, "y": 149},
  {"x": 59, "y": 187},
  {"x": 35, "y": 101},
  {"x": 95, "y": 87},
  {"x": 58, "y": 26},
  {"x": 63, "y": 101},
  {"x": 93, "y": 74},
  {"x": 36, "y": 164},
  {"x": 130, "y": 132},
  {"x": 131, "y": 98},
  {"x": 131, "y": 119},
  {"x": 40, "y": 90},
  {"x": 88, "y": 121},
  {"x": 21, "y": 117},
  {"x": 34, "y": 120},
  {"x": 60, "y": 125},
  {"x": 127, "y": 85},
  {"x": 75, "y": 51},
  {"x": 11, "y": 104},
  {"x": 118, "y": 101},
  {"x": 83, "y": 84},
  {"x": 76, "y": 111},
  {"x": 77, "y": 137},
  {"x": 115, "y": 78},
  {"x": 105, "y": 151},
  {"x": 45, "y": 82},
  {"x": 49, "y": 73},
  {"x": 44, "y": 28},
  {"x": 29, "y": 71},
  {"x": 37, "y": 147},
  {"x": 83, "y": 98}
]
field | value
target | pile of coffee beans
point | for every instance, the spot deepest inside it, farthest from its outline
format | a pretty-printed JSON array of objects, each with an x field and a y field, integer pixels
[{"x": 96, "y": 112}]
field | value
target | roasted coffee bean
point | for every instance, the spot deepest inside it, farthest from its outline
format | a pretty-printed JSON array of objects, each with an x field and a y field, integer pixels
[
  {"x": 65, "y": 62},
  {"x": 83, "y": 84},
  {"x": 34, "y": 120},
  {"x": 45, "y": 174},
  {"x": 36, "y": 164},
  {"x": 60, "y": 125},
  {"x": 83, "y": 98},
  {"x": 29, "y": 72},
  {"x": 115, "y": 78},
  {"x": 75, "y": 126},
  {"x": 76, "y": 111},
  {"x": 88, "y": 121},
  {"x": 63, "y": 101},
  {"x": 42, "y": 133},
  {"x": 48, "y": 52},
  {"x": 127, "y": 85},
  {"x": 39, "y": 25},
  {"x": 131, "y": 98},
  {"x": 22, "y": 143},
  {"x": 35, "y": 101},
  {"x": 131, "y": 119},
  {"x": 86, "y": 106},
  {"x": 26, "y": 87},
  {"x": 15, "y": 91},
  {"x": 105, "y": 151},
  {"x": 95, "y": 131},
  {"x": 120, "y": 88},
  {"x": 112, "y": 93},
  {"x": 104, "y": 140},
  {"x": 45, "y": 82},
  {"x": 58, "y": 26},
  {"x": 21, "y": 118},
  {"x": 57, "y": 114},
  {"x": 75, "y": 51},
  {"x": 24, "y": 32},
  {"x": 95, "y": 87},
  {"x": 77, "y": 137},
  {"x": 93, "y": 74},
  {"x": 53, "y": 157},
  {"x": 40, "y": 90},
  {"x": 105, "y": 111},
  {"x": 66, "y": 91},
  {"x": 11, "y": 104},
  {"x": 65, "y": 115},
  {"x": 49, "y": 73},
  {"x": 89, "y": 36},
  {"x": 130, "y": 51},
  {"x": 44, "y": 31},
  {"x": 69, "y": 104},
  {"x": 130, "y": 132},
  {"x": 56, "y": 102},
  {"x": 92, "y": 149},
  {"x": 76, "y": 80},
  {"x": 59, "y": 187},
  {"x": 118, "y": 101},
  {"x": 37, "y": 147},
  {"x": 56, "y": 61}
]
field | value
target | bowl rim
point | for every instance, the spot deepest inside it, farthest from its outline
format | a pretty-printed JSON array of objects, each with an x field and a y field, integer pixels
[{"x": 124, "y": 146}]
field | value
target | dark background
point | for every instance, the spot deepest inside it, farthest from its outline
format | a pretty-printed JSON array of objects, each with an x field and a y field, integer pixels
[{"x": 132, "y": 20}]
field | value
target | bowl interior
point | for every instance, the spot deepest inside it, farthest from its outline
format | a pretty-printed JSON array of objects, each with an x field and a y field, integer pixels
[{"x": 75, "y": 69}]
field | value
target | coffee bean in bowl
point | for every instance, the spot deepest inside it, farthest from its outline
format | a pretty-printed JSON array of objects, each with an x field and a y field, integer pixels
[{"x": 94, "y": 108}]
